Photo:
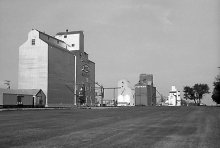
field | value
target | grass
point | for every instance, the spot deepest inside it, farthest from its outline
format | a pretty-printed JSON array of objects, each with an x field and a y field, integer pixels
[{"x": 115, "y": 127}]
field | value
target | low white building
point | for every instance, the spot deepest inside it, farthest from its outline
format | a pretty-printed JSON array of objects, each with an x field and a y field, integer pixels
[
  {"x": 174, "y": 97},
  {"x": 125, "y": 94}
]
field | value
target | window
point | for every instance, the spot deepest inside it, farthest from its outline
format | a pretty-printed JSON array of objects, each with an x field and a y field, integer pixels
[
  {"x": 57, "y": 41},
  {"x": 33, "y": 42}
]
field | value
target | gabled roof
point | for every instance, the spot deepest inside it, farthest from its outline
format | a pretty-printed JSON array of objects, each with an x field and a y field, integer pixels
[{"x": 20, "y": 91}]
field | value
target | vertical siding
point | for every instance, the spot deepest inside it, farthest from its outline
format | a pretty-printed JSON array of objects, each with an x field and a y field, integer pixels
[
  {"x": 141, "y": 96},
  {"x": 137, "y": 96},
  {"x": 144, "y": 96},
  {"x": 154, "y": 96},
  {"x": 33, "y": 64},
  {"x": 91, "y": 83},
  {"x": 149, "y": 95},
  {"x": 81, "y": 76},
  {"x": 9, "y": 99},
  {"x": 27, "y": 100},
  {"x": 1, "y": 99},
  {"x": 61, "y": 74}
]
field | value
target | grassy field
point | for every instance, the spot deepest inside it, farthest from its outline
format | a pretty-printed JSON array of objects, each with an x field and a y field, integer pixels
[{"x": 119, "y": 127}]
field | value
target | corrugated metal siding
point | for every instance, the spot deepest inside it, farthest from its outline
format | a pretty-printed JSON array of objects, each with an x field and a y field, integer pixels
[
  {"x": 27, "y": 100},
  {"x": 141, "y": 96},
  {"x": 91, "y": 93},
  {"x": 61, "y": 73},
  {"x": 9, "y": 99},
  {"x": 154, "y": 96},
  {"x": 1, "y": 99},
  {"x": 149, "y": 95},
  {"x": 144, "y": 93},
  {"x": 137, "y": 96}
]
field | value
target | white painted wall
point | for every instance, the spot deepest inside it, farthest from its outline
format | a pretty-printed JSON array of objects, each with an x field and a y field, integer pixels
[
  {"x": 71, "y": 39},
  {"x": 125, "y": 94},
  {"x": 33, "y": 64},
  {"x": 174, "y": 97}
]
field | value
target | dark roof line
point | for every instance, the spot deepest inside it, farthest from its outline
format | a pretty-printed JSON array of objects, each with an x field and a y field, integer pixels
[
  {"x": 50, "y": 36},
  {"x": 90, "y": 61},
  {"x": 71, "y": 32},
  {"x": 20, "y": 91},
  {"x": 54, "y": 45}
]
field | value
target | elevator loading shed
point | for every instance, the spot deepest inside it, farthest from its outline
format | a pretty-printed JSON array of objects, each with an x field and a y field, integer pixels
[{"x": 22, "y": 98}]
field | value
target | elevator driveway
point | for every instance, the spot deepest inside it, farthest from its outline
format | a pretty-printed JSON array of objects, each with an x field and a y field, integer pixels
[{"x": 115, "y": 127}]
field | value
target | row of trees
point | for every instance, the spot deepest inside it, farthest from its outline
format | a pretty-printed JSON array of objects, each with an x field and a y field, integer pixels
[{"x": 196, "y": 92}]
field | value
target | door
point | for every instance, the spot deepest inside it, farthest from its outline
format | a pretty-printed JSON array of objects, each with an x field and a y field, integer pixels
[{"x": 19, "y": 100}]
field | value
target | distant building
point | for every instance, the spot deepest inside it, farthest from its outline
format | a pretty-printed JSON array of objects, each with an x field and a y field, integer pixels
[
  {"x": 174, "y": 97},
  {"x": 145, "y": 92},
  {"x": 146, "y": 78},
  {"x": 125, "y": 94},
  {"x": 55, "y": 65}
]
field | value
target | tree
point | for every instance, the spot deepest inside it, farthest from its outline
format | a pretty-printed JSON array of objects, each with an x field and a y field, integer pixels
[
  {"x": 200, "y": 91},
  {"x": 196, "y": 92},
  {"x": 189, "y": 93},
  {"x": 216, "y": 90}
]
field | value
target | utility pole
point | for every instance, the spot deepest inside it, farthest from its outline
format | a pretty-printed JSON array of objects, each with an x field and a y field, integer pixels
[
  {"x": 75, "y": 80},
  {"x": 102, "y": 95}
]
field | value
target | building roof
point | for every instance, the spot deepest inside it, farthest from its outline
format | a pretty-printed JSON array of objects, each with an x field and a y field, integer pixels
[
  {"x": 20, "y": 91},
  {"x": 90, "y": 61},
  {"x": 140, "y": 84},
  {"x": 49, "y": 36},
  {"x": 52, "y": 44},
  {"x": 71, "y": 32}
]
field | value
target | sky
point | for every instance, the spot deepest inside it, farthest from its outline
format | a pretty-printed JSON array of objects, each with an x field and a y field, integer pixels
[{"x": 176, "y": 41}]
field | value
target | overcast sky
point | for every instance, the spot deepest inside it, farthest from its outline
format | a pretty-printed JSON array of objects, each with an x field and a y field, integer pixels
[{"x": 178, "y": 41}]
